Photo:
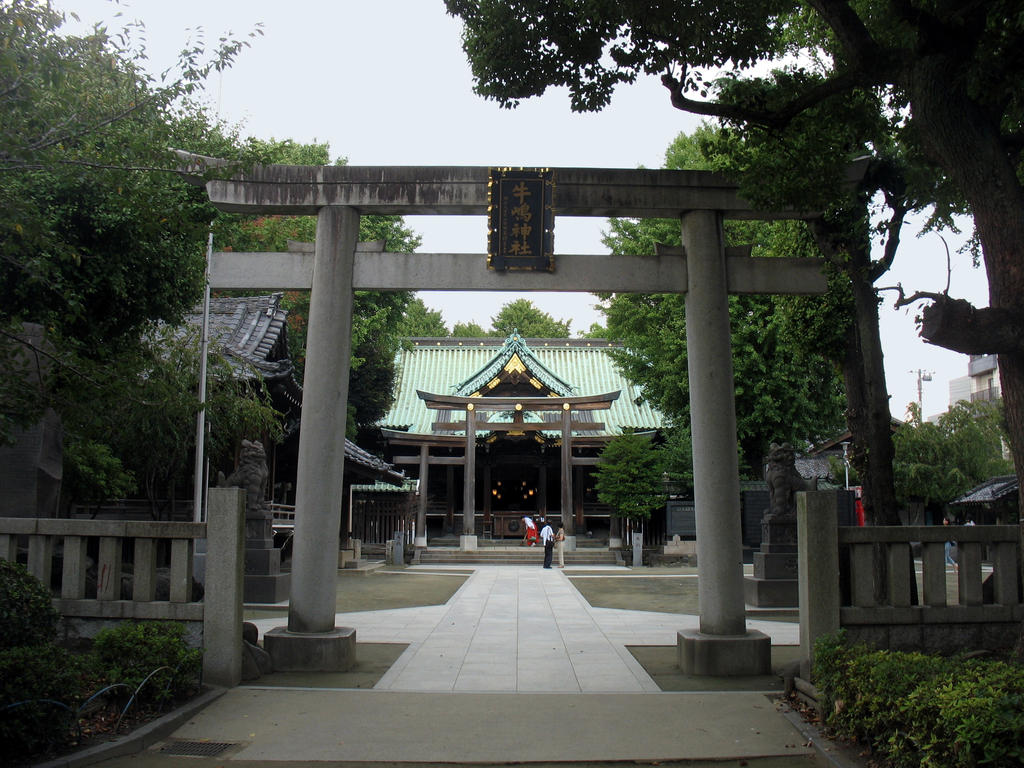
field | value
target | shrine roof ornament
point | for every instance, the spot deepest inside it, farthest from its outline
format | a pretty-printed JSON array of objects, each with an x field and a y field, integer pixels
[{"x": 514, "y": 358}]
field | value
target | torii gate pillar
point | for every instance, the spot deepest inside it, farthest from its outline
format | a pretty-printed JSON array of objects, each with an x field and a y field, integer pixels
[
  {"x": 722, "y": 646},
  {"x": 311, "y": 641}
]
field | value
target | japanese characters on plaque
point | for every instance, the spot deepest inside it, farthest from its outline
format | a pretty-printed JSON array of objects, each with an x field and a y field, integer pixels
[{"x": 521, "y": 223}]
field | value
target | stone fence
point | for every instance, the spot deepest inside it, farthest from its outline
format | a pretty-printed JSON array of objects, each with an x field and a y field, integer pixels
[
  {"x": 976, "y": 606},
  {"x": 94, "y": 590}
]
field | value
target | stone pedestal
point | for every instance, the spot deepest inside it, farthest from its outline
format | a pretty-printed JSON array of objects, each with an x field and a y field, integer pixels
[
  {"x": 638, "y": 550},
  {"x": 333, "y": 651},
  {"x": 467, "y": 543},
  {"x": 724, "y": 655},
  {"x": 264, "y": 582},
  {"x": 774, "y": 584}
]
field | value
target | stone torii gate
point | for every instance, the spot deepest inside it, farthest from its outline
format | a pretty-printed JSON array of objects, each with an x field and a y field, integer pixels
[{"x": 703, "y": 269}]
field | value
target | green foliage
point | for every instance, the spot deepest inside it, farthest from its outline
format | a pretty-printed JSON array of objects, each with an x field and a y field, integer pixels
[
  {"x": 53, "y": 683},
  {"x": 377, "y": 316},
  {"x": 130, "y": 652},
  {"x": 676, "y": 455},
  {"x": 469, "y": 331},
  {"x": 418, "y": 320},
  {"x": 522, "y": 315},
  {"x": 92, "y": 473},
  {"x": 922, "y": 710},
  {"x": 98, "y": 235},
  {"x": 936, "y": 462},
  {"x": 27, "y": 616},
  {"x": 629, "y": 477},
  {"x": 787, "y": 384},
  {"x": 45, "y": 677},
  {"x": 134, "y": 420}
]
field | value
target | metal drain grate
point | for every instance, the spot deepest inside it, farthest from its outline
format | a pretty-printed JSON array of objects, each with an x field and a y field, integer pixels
[{"x": 195, "y": 748}]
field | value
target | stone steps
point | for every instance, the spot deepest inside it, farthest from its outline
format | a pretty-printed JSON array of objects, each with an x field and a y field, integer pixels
[{"x": 510, "y": 556}]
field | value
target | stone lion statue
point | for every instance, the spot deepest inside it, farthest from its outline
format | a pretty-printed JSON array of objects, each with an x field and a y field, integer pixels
[
  {"x": 784, "y": 482},
  {"x": 251, "y": 476}
]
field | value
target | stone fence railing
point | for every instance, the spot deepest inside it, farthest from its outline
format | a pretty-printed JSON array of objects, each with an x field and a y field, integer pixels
[
  {"x": 104, "y": 586},
  {"x": 978, "y": 605},
  {"x": 83, "y": 562}
]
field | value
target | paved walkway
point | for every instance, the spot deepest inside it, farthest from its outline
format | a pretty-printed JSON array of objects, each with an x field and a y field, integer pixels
[
  {"x": 523, "y": 629},
  {"x": 516, "y": 667}
]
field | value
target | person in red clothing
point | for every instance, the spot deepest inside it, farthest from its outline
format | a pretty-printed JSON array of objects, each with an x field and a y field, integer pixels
[{"x": 530, "y": 538}]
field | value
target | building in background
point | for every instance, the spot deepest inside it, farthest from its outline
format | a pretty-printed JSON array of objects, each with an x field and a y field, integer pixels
[{"x": 981, "y": 384}]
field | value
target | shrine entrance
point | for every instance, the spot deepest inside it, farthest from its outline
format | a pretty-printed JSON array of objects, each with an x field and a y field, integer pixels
[{"x": 703, "y": 268}]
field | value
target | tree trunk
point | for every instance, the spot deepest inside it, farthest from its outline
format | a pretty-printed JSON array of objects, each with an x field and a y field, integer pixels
[
  {"x": 965, "y": 141},
  {"x": 867, "y": 398}
]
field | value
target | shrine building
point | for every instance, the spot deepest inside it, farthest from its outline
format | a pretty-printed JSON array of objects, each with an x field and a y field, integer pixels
[{"x": 540, "y": 410}]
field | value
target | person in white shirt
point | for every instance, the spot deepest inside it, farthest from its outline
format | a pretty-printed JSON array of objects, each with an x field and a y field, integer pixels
[{"x": 547, "y": 537}]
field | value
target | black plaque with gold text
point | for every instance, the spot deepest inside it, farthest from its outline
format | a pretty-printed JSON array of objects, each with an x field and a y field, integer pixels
[{"x": 521, "y": 222}]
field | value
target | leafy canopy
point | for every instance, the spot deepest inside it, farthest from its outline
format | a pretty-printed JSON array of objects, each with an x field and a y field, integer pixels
[
  {"x": 784, "y": 348},
  {"x": 629, "y": 477},
  {"x": 937, "y": 462}
]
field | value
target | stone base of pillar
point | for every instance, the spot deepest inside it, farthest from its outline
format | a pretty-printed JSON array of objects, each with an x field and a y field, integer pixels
[
  {"x": 420, "y": 542},
  {"x": 723, "y": 655},
  {"x": 333, "y": 651},
  {"x": 771, "y": 593},
  {"x": 467, "y": 543},
  {"x": 615, "y": 542},
  {"x": 267, "y": 588},
  {"x": 570, "y": 544}
]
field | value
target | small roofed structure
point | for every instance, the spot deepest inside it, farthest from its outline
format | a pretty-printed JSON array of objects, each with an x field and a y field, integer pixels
[
  {"x": 252, "y": 332},
  {"x": 991, "y": 503}
]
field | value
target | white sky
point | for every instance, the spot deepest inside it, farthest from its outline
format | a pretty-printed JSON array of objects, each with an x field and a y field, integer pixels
[{"x": 386, "y": 83}]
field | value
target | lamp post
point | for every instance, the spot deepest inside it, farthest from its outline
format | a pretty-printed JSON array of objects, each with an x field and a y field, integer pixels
[{"x": 922, "y": 376}]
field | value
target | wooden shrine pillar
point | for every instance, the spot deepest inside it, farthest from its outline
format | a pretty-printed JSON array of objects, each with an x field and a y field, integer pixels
[
  {"x": 468, "y": 538},
  {"x": 566, "y": 507},
  {"x": 449, "y": 499},
  {"x": 421, "y": 509},
  {"x": 487, "y": 492},
  {"x": 542, "y": 488}
]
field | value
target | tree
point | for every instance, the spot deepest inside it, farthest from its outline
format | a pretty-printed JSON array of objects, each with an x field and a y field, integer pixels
[
  {"x": 133, "y": 426},
  {"x": 945, "y": 76},
  {"x": 469, "y": 330},
  {"x": 522, "y": 315},
  {"x": 938, "y": 462},
  {"x": 99, "y": 236},
  {"x": 628, "y": 479},
  {"x": 420, "y": 321},
  {"x": 376, "y": 315},
  {"x": 787, "y": 389}
]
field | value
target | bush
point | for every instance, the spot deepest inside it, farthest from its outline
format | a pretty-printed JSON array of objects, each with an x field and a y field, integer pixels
[
  {"x": 27, "y": 616},
  {"x": 52, "y": 682},
  {"x": 129, "y": 653},
  {"x": 921, "y": 710}
]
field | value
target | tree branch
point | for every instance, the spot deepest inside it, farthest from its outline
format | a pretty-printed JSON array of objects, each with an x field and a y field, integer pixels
[
  {"x": 776, "y": 118},
  {"x": 892, "y": 241},
  {"x": 957, "y": 325}
]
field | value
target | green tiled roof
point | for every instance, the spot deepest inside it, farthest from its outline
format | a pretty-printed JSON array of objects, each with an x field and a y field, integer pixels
[{"x": 449, "y": 366}]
